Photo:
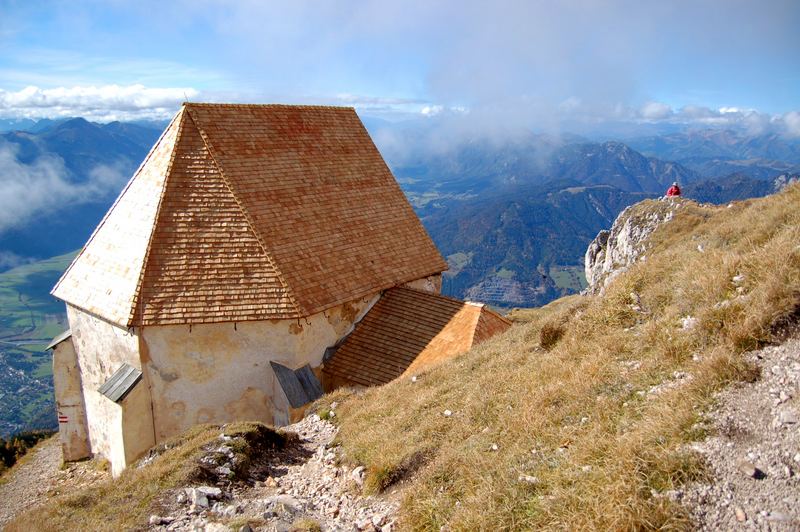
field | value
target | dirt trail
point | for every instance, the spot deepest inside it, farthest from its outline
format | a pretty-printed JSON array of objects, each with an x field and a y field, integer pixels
[
  {"x": 754, "y": 454},
  {"x": 40, "y": 477}
]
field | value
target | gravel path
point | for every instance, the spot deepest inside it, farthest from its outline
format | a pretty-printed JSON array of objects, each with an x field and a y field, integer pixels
[
  {"x": 40, "y": 477},
  {"x": 299, "y": 485},
  {"x": 754, "y": 456}
]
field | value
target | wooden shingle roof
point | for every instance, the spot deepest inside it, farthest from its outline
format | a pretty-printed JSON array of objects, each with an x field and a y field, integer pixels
[
  {"x": 249, "y": 212},
  {"x": 408, "y": 330}
]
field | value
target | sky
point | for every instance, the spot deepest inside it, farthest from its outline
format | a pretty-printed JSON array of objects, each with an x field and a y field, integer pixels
[{"x": 493, "y": 64}]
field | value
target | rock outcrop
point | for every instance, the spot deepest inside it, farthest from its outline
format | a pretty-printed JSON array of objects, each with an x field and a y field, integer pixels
[{"x": 613, "y": 251}]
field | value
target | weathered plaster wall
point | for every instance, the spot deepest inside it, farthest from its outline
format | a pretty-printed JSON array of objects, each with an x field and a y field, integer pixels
[
  {"x": 432, "y": 284},
  {"x": 137, "y": 423},
  {"x": 221, "y": 372},
  {"x": 101, "y": 349},
  {"x": 72, "y": 431}
]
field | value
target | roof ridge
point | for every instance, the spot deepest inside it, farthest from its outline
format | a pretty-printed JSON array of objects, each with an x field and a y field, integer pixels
[
  {"x": 270, "y": 259},
  {"x": 425, "y": 292},
  {"x": 267, "y": 105},
  {"x": 497, "y": 315},
  {"x": 136, "y": 302},
  {"x": 483, "y": 306},
  {"x": 475, "y": 324},
  {"x": 113, "y": 205}
]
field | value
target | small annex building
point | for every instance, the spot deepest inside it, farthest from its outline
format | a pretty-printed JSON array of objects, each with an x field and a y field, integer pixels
[{"x": 238, "y": 262}]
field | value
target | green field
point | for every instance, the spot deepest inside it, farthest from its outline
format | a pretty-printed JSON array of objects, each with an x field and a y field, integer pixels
[
  {"x": 571, "y": 277},
  {"x": 29, "y": 318}
]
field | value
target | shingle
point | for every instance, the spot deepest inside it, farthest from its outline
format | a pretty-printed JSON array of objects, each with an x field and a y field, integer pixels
[
  {"x": 249, "y": 212},
  {"x": 408, "y": 330},
  {"x": 104, "y": 277},
  {"x": 321, "y": 199}
]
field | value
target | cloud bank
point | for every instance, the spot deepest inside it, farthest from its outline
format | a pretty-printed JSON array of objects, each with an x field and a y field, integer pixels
[
  {"x": 505, "y": 64},
  {"x": 104, "y": 103}
]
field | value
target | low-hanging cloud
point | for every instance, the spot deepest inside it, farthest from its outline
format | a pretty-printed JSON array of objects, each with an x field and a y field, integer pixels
[
  {"x": 10, "y": 260},
  {"x": 28, "y": 189},
  {"x": 104, "y": 103}
]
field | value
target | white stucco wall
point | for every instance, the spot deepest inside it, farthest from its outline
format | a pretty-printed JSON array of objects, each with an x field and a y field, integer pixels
[
  {"x": 101, "y": 349},
  {"x": 136, "y": 425},
  {"x": 72, "y": 431},
  {"x": 221, "y": 372}
]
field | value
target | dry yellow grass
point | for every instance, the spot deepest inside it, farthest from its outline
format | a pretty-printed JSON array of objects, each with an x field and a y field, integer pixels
[
  {"x": 126, "y": 503},
  {"x": 583, "y": 416}
]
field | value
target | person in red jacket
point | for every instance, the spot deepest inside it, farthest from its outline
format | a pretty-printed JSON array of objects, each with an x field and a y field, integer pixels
[{"x": 674, "y": 190}]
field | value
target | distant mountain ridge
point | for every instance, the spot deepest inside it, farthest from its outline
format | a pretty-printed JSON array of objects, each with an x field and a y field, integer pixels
[
  {"x": 480, "y": 167},
  {"x": 720, "y": 143},
  {"x": 716, "y": 152},
  {"x": 616, "y": 164},
  {"x": 510, "y": 219},
  {"x": 736, "y": 186},
  {"x": 78, "y": 153},
  {"x": 83, "y": 144},
  {"x": 502, "y": 248}
]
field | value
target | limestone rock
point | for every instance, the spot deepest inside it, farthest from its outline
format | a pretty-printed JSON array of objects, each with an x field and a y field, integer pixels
[
  {"x": 614, "y": 251},
  {"x": 209, "y": 491},
  {"x": 749, "y": 469},
  {"x": 197, "y": 498},
  {"x": 358, "y": 475}
]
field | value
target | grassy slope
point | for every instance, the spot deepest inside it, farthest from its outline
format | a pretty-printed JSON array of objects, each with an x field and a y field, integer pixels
[{"x": 579, "y": 414}]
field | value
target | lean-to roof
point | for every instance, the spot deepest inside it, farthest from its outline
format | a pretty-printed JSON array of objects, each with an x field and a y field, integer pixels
[{"x": 408, "y": 330}]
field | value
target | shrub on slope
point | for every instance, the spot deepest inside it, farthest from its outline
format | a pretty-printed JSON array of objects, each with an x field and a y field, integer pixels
[{"x": 591, "y": 429}]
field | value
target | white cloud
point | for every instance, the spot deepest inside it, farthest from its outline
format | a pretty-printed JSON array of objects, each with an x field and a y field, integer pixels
[
  {"x": 361, "y": 100},
  {"x": 100, "y": 103},
  {"x": 431, "y": 110},
  {"x": 28, "y": 189},
  {"x": 791, "y": 122},
  {"x": 10, "y": 260},
  {"x": 656, "y": 111},
  {"x": 570, "y": 104}
]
